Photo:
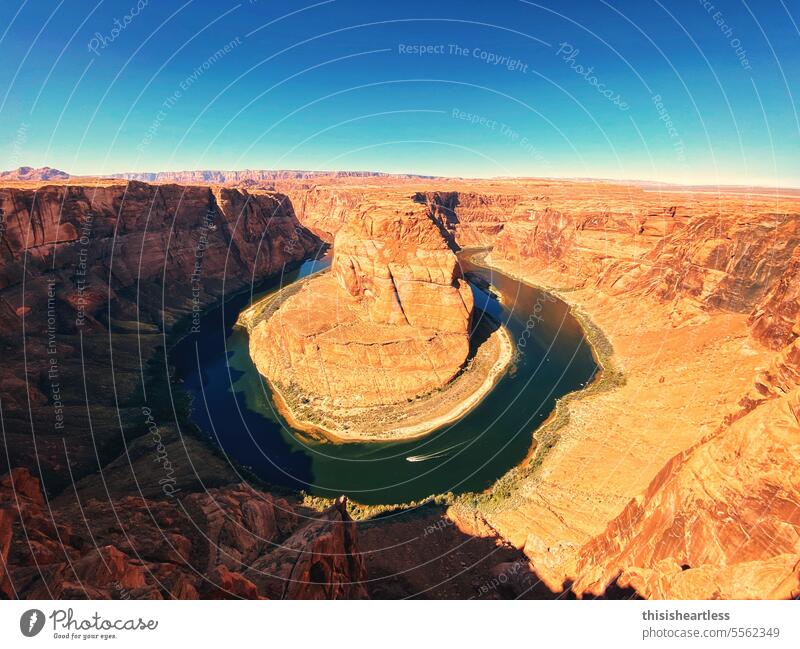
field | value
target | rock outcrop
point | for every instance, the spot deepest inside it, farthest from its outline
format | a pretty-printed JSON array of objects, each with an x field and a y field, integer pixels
[
  {"x": 713, "y": 519},
  {"x": 233, "y": 542},
  {"x": 389, "y": 323},
  {"x": 91, "y": 277},
  {"x": 722, "y": 518},
  {"x": 677, "y": 293}
]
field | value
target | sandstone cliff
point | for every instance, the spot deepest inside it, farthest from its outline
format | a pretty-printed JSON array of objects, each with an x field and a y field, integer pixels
[
  {"x": 720, "y": 520},
  {"x": 699, "y": 491},
  {"x": 694, "y": 290},
  {"x": 90, "y": 280},
  {"x": 680, "y": 479}
]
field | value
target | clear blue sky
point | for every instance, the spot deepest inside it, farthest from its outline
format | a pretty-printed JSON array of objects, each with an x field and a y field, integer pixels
[{"x": 333, "y": 85}]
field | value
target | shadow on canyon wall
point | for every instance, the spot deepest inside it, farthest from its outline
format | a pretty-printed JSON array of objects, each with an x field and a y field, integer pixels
[
  {"x": 422, "y": 554},
  {"x": 94, "y": 283}
]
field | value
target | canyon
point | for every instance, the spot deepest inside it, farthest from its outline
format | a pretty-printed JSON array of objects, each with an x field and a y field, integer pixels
[
  {"x": 675, "y": 474},
  {"x": 92, "y": 278}
]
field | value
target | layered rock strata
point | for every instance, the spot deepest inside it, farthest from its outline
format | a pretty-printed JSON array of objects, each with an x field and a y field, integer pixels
[
  {"x": 694, "y": 291},
  {"x": 91, "y": 279},
  {"x": 677, "y": 474},
  {"x": 692, "y": 489}
]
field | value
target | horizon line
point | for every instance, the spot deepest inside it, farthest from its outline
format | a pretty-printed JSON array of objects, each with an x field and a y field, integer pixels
[{"x": 368, "y": 172}]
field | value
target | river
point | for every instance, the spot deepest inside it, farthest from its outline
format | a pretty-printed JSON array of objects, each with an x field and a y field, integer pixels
[{"x": 232, "y": 405}]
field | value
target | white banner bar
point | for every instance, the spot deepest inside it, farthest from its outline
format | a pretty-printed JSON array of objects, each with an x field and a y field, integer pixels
[{"x": 350, "y": 625}]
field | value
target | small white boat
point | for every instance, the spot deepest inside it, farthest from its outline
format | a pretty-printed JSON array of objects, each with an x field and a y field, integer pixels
[{"x": 434, "y": 455}]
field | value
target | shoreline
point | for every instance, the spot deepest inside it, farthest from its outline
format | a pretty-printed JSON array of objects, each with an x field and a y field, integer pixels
[
  {"x": 593, "y": 336},
  {"x": 539, "y": 443},
  {"x": 482, "y": 502},
  {"x": 544, "y": 437},
  {"x": 264, "y": 308},
  {"x": 591, "y": 332}
]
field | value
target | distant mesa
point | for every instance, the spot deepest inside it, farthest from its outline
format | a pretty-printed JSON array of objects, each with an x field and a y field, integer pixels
[
  {"x": 218, "y": 177},
  {"x": 244, "y": 178}
]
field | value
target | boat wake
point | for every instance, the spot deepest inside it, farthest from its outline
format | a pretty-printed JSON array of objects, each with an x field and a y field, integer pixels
[{"x": 434, "y": 455}]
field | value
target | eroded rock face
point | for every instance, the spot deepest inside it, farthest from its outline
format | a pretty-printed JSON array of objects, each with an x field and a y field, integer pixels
[
  {"x": 231, "y": 542},
  {"x": 693, "y": 252},
  {"x": 398, "y": 265},
  {"x": 724, "y": 508},
  {"x": 324, "y": 210},
  {"x": 776, "y": 320},
  {"x": 684, "y": 480},
  {"x": 388, "y": 323}
]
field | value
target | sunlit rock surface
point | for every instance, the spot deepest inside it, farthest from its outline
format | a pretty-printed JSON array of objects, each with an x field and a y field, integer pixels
[{"x": 388, "y": 323}]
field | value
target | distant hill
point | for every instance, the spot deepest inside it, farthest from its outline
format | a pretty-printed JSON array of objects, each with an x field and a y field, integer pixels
[{"x": 31, "y": 173}]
